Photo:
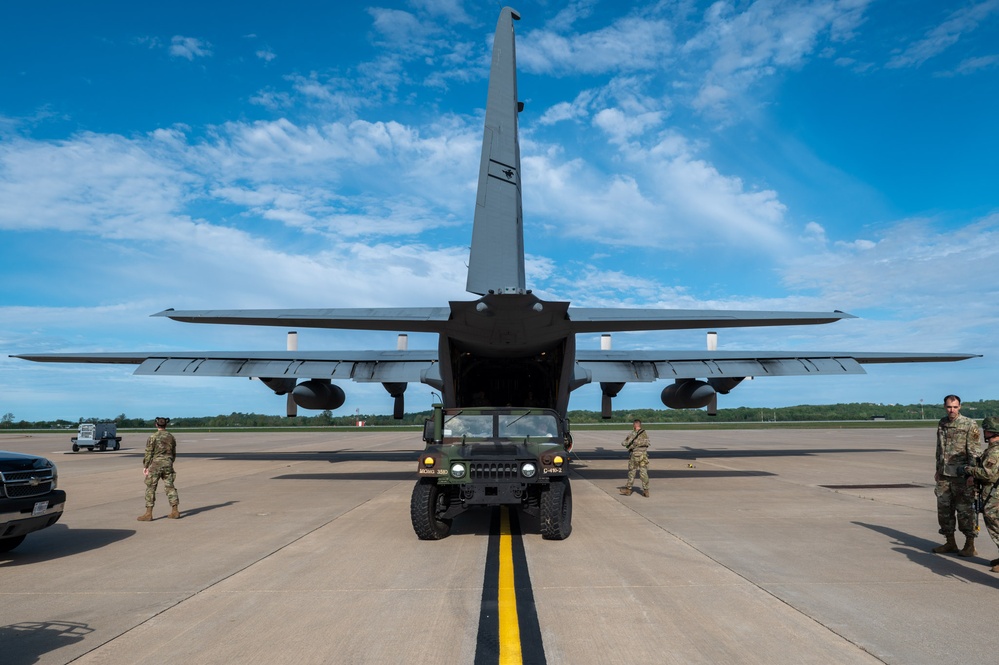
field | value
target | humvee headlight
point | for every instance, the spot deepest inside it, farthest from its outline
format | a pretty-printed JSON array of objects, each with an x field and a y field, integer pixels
[
  {"x": 428, "y": 461},
  {"x": 529, "y": 470},
  {"x": 458, "y": 470},
  {"x": 558, "y": 460}
]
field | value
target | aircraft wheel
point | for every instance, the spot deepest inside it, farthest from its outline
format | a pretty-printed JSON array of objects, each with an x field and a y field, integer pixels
[
  {"x": 7, "y": 544},
  {"x": 427, "y": 502},
  {"x": 556, "y": 510}
]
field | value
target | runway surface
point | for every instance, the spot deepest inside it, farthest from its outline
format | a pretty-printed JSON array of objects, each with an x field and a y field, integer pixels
[{"x": 771, "y": 546}]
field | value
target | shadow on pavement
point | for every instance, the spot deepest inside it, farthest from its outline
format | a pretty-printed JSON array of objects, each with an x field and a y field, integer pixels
[
  {"x": 58, "y": 541},
  {"x": 919, "y": 550},
  {"x": 24, "y": 642}
]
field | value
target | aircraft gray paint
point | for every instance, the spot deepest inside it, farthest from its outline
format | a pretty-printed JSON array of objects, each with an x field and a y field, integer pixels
[{"x": 507, "y": 347}]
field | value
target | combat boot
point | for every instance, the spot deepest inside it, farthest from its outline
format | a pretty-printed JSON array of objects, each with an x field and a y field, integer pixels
[
  {"x": 146, "y": 516},
  {"x": 625, "y": 491},
  {"x": 645, "y": 493},
  {"x": 174, "y": 512},
  {"x": 969, "y": 547},
  {"x": 994, "y": 562},
  {"x": 995, "y": 568},
  {"x": 949, "y": 546}
]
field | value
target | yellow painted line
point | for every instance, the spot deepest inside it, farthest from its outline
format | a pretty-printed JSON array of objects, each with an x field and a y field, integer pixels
[{"x": 509, "y": 625}]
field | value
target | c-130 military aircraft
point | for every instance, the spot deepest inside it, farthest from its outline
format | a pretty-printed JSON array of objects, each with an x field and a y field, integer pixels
[{"x": 507, "y": 347}]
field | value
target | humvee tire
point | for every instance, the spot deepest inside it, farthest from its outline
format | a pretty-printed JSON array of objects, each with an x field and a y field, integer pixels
[
  {"x": 556, "y": 510},
  {"x": 423, "y": 511}
]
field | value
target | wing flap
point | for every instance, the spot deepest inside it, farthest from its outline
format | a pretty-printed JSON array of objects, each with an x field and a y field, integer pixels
[
  {"x": 617, "y": 371},
  {"x": 361, "y": 366},
  {"x": 646, "y": 366}
]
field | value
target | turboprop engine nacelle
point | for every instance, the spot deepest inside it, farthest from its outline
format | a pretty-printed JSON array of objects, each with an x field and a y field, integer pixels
[
  {"x": 319, "y": 395},
  {"x": 687, "y": 394},
  {"x": 694, "y": 394}
]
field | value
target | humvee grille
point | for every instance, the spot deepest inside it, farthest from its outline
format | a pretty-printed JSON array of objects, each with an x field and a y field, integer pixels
[{"x": 494, "y": 471}]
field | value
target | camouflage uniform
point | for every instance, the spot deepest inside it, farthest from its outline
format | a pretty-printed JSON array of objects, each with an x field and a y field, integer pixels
[
  {"x": 987, "y": 472},
  {"x": 161, "y": 451},
  {"x": 958, "y": 443},
  {"x": 637, "y": 443}
]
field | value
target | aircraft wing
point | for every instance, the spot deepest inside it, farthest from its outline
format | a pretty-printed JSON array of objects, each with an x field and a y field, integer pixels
[
  {"x": 361, "y": 366},
  {"x": 645, "y": 366}
]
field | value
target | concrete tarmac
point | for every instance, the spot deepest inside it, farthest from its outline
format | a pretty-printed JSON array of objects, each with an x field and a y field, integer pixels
[{"x": 771, "y": 546}]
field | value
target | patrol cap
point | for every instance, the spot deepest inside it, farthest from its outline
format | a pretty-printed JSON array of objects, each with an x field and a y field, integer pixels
[
  {"x": 162, "y": 422},
  {"x": 990, "y": 424}
]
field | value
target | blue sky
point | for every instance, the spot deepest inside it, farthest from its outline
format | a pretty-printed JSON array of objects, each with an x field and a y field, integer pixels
[{"x": 832, "y": 154}]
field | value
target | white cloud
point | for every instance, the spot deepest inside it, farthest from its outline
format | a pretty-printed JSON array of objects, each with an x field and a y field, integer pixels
[
  {"x": 942, "y": 37},
  {"x": 628, "y": 44},
  {"x": 975, "y": 65},
  {"x": 910, "y": 267},
  {"x": 665, "y": 197},
  {"x": 189, "y": 47},
  {"x": 763, "y": 39},
  {"x": 451, "y": 10}
]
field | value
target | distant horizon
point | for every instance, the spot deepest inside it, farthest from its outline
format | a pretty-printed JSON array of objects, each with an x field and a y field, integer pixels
[{"x": 931, "y": 412}]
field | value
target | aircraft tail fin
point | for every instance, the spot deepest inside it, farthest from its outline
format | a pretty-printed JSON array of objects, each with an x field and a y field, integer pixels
[{"x": 496, "y": 262}]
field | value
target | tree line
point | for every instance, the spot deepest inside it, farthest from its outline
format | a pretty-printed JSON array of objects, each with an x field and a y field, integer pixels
[{"x": 743, "y": 414}]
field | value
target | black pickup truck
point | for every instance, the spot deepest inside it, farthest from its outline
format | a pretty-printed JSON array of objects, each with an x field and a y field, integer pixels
[{"x": 29, "y": 500}]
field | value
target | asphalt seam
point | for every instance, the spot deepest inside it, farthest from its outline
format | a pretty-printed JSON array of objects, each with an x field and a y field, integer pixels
[
  {"x": 215, "y": 583},
  {"x": 740, "y": 575}
]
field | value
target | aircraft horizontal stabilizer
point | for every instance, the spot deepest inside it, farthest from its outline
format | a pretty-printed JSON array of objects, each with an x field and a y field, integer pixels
[
  {"x": 594, "y": 320},
  {"x": 408, "y": 319}
]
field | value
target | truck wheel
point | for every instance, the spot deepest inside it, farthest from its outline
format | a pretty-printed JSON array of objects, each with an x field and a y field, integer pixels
[
  {"x": 76, "y": 448},
  {"x": 556, "y": 510},
  {"x": 7, "y": 544},
  {"x": 102, "y": 447},
  {"x": 427, "y": 502},
  {"x": 117, "y": 444}
]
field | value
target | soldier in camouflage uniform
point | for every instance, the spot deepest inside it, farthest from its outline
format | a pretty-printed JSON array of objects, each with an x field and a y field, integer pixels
[
  {"x": 958, "y": 444},
  {"x": 986, "y": 472},
  {"x": 637, "y": 443},
  {"x": 161, "y": 451}
]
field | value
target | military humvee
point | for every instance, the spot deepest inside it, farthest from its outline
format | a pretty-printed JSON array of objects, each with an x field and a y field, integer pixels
[{"x": 488, "y": 456}]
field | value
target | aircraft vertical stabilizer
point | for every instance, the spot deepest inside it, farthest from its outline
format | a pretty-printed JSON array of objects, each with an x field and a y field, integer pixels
[{"x": 496, "y": 262}]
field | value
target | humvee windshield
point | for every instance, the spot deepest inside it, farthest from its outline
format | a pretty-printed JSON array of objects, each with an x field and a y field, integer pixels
[
  {"x": 513, "y": 426},
  {"x": 510, "y": 426},
  {"x": 469, "y": 426}
]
